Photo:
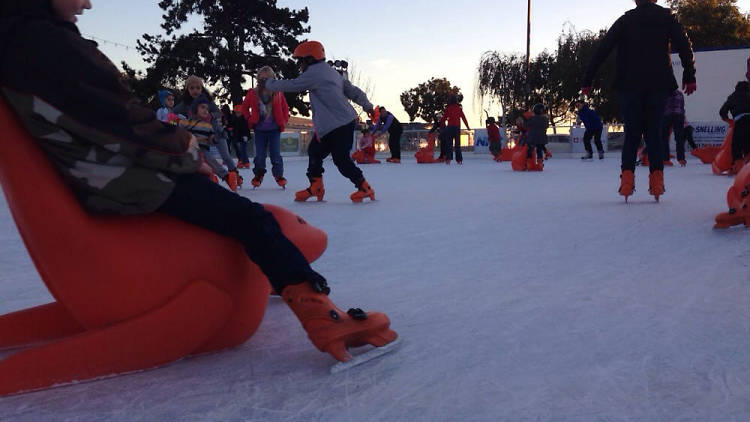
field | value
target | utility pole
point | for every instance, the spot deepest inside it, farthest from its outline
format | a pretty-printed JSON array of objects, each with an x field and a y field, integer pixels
[{"x": 528, "y": 50}]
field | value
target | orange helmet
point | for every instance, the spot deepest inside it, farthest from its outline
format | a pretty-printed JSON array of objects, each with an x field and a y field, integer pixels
[{"x": 312, "y": 49}]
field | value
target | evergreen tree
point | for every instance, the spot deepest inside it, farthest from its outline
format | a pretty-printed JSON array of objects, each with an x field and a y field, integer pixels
[{"x": 238, "y": 37}]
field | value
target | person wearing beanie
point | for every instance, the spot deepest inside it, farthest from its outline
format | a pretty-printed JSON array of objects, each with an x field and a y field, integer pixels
[
  {"x": 644, "y": 79},
  {"x": 118, "y": 158},
  {"x": 166, "y": 99}
]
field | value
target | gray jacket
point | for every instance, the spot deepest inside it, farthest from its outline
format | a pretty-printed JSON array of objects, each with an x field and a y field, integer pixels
[
  {"x": 329, "y": 95},
  {"x": 537, "y": 130}
]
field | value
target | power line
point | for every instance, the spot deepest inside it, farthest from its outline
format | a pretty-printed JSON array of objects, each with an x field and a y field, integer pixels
[{"x": 178, "y": 59}]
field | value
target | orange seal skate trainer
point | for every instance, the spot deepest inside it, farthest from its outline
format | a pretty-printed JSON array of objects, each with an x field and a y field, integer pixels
[
  {"x": 130, "y": 292},
  {"x": 738, "y": 199}
]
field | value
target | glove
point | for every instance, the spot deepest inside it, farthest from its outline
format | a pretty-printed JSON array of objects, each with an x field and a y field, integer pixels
[{"x": 689, "y": 88}]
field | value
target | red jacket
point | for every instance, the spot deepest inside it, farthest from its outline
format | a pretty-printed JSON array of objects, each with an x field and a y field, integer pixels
[
  {"x": 493, "y": 132},
  {"x": 453, "y": 114},
  {"x": 280, "y": 109}
]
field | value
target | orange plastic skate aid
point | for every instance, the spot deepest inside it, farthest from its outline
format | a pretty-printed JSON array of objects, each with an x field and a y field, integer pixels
[
  {"x": 738, "y": 200},
  {"x": 131, "y": 293},
  {"x": 723, "y": 161},
  {"x": 426, "y": 155}
]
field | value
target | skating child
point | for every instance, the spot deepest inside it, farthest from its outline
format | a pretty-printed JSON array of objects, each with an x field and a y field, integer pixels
[
  {"x": 119, "y": 159},
  {"x": 195, "y": 91},
  {"x": 333, "y": 117},
  {"x": 166, "y": 99},
  {"x": 203, "y": 126},
  {"x": 536, "y": 138},
  {"x": 594, "y": 127},
  {"x": 453, "y": 115},
  {"x": 241, "y": 135},
  {"x": 267, "y": 114},
  {"x": 739, "y": 105},
  {"x": 493, "y": 133}
]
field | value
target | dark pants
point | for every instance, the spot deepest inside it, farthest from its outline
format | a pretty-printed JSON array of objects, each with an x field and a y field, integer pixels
[
  {"x": 338, "y": 143},
  {"x": 539, "y": 151},
  {"x": 642, "y": 112},
  {"x": 394, "y": 141},
  {"x": 199, "y": 201},
  {"x": 240, "y": 147},
  {"x": 689, "y": 137},
  {"x": 597, "y": 135},
  {"x": 453, "y": 137},
  {"x": 741, "y": 138},
  {"x": 676, "y": 122},
  {"x": 442, "y": 142},
  {"x": 496, "y": 147}
]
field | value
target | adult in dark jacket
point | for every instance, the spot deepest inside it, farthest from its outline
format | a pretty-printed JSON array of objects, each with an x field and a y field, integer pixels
[
  {"x": 536, "y": 137},
  {"x": 739, "y": 105},
  {"x": 118, "y": 158},
  {"x": 594, "y": 127},
  {"x": 644, "y": 80},
  {"x": 389, "y": 123}
]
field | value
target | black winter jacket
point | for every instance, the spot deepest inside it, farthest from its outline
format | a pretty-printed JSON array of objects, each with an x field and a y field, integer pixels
[{"x": 642, "y": 37}]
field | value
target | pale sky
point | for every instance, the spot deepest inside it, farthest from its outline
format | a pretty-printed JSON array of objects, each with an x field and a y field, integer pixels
[{"x": 396, "y": 44}]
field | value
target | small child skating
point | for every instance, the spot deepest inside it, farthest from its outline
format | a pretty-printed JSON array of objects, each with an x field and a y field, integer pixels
[
  {"x": 594, "y": 127},
  {"x": 334, "y": 119},
  {"x": 493, "y": 133},
  {"x": 536, "y": 138}
]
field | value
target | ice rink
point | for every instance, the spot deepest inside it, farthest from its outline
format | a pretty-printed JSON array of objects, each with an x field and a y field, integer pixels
[{"x": 519, "y": 297}]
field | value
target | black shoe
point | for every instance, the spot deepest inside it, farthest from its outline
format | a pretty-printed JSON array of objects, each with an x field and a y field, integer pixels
[
  {"x": 601, "y": 155},
  {"x": 589, "y": 156}
]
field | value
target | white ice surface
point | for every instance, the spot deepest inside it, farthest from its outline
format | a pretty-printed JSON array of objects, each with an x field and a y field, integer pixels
[{"x": 520, "y": 297}]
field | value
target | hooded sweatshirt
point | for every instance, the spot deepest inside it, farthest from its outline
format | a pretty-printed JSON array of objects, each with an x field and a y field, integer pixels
[
  {"x": 163, "y": 113},
  {"x": 113, "y": 152}
]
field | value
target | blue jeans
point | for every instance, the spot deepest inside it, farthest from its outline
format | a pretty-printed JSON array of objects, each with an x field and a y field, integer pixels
[
  {"x": 271, "y": 142},
  {"x": 240, "y": 145},
  {"x": 642, "y": 112}
]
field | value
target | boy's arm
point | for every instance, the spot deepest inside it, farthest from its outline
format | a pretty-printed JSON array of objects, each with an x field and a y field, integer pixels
[
  {"x": 304, "y": 82},
  {"x": 357, "y": 95}
]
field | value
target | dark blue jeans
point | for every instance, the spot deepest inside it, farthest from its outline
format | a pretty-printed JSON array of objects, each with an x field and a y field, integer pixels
[
  {"x": 453, "y": 136},
  {"x": 676, "y": 122},
  {"x": 240, "y": 146},
  {"x": 642, "y": 112},
  {"x": 199, "y": 201},
  {"x": 268, "y": 141},
  {"x": 338, "y": 144}
]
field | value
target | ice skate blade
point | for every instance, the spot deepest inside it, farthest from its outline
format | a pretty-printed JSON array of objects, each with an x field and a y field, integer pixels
[{"x": 366, "y": 357}]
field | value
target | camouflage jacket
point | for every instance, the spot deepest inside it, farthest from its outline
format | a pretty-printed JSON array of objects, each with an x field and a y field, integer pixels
[{"x": 114, "y": 153}]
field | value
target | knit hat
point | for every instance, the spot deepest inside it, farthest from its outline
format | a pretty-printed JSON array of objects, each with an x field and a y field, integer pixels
[
  {"x": 192, "y": 80},
  {"x": 163, "y": 94}
]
